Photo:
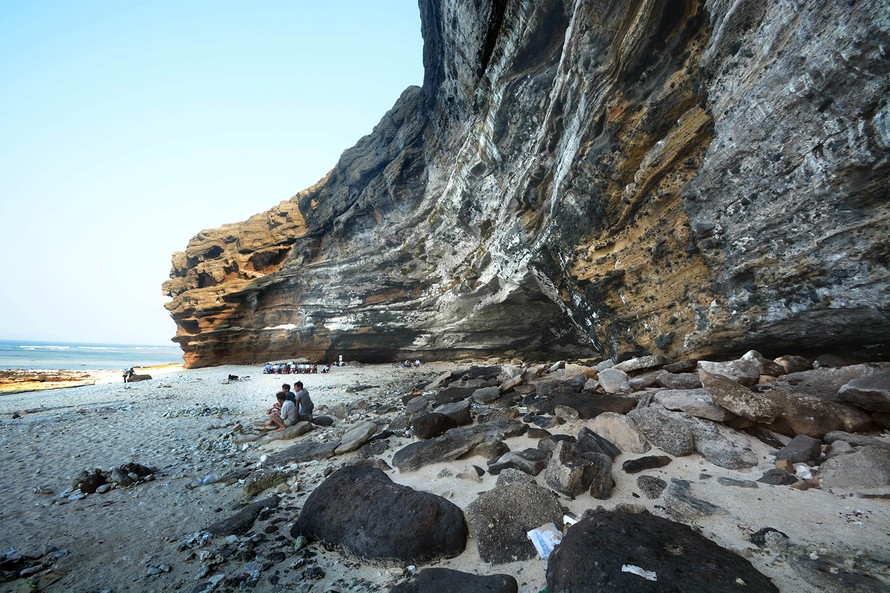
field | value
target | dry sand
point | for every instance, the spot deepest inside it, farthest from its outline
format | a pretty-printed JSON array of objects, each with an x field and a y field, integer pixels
[{"x": 181, "y": 423}]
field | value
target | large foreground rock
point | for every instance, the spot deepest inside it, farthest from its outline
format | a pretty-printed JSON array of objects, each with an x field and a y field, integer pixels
[
  {"x": 499, "y": 520},
  {"x": 447, "y": 580},
  {"x": 362, "y": 510},
  {"x": 594, "y": 552}
]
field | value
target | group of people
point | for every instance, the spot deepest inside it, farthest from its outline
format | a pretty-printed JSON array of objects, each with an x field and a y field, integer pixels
[
  {"x": 290, "y": 368},
  {"x": 290, "y": 407},
  {"x": 408, "y": 364}
]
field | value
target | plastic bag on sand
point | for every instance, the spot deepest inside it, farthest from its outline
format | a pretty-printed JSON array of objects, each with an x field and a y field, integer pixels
[{"x": 545, "y": 538}]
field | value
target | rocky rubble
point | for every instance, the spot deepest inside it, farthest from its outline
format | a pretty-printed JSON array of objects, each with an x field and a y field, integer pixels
[{"x": 359, "y": 510}]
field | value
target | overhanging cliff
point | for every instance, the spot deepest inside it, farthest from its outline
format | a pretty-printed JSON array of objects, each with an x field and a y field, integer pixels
[{"x": 582, "y": 177}]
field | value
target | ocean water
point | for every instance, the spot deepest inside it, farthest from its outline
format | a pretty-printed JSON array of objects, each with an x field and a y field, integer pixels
[{"x": 80, "y": 356}]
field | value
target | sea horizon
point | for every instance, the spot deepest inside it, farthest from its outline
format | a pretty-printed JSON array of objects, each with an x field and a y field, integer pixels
[{"x": 64, "y": 355}]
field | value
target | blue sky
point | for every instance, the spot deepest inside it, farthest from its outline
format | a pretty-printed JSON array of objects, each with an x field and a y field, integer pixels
[{"x": 128, "y": 127}]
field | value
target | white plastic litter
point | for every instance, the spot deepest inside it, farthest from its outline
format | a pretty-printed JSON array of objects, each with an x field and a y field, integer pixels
[
  {"x": 802, "y": 471},
  {"x": 545, "y": 539},
  {"x": 633, "y": 569},
  {"x": 568, "y": 520}
]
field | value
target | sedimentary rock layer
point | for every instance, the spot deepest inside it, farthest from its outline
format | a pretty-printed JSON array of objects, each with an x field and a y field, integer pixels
[{"x": 582, "y": 177}]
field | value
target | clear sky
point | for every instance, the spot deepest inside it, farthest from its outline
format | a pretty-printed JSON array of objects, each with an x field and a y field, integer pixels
[{"x": 128, "y": 127}]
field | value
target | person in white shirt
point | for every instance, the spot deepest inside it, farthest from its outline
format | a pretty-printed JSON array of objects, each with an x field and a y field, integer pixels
[{"x": 284, "y": 413}]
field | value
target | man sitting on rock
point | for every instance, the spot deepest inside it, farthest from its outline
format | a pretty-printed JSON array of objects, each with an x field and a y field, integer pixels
[
  {"x": 304, "y": 403},
  {"x": 282, "y": 414}
]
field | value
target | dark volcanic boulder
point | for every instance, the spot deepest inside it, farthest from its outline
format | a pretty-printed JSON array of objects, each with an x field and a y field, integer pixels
[
  {"x": 441, "y": 448},
  {"x": 588, "y": 405},
  {"x": 595, "y": 553},
  {"x": 500, "y": 519},
  {"x": 241, "y": 522},
  {"x": 307, "y": 451},
  {"x": 362, "y": 510},
  {"x": 447, "y": 580},
  {"x": 432, "y": 425}
]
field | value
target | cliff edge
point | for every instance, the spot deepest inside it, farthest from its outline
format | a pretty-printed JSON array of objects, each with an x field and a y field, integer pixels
[{"x": 580, "y": 178}]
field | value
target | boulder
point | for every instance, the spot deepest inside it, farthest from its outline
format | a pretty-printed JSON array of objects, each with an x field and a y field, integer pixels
[
  {"x": 695, "y": 402},
  {"x": 615, "y": 551},
  {"x": 725, "y": 481},
  {"x": 778, "y": 477},
  {"x": 869, "y": 467},
  {"x": 641, "y": 363},
  {"x": 262, "y": 480},
  {"x": 858, "y": 440},
  {"x": 590, "y": 442},
  {"x": 301, "y": 452},
  {"x": 420, "y": 404},
  {"x": 490, "y": 448},
  {"x": 677, "y": 380},
  {"x": 500, "y": 518},
  {"x": 743, "y": 372},
  {"x": 767, "y": 367},
  {"x": 453, "y": 394},
  {"x": 448, "y": 580},
  {"x": 801, "y": 449},
  {"x": 427, "y": 426},
  {"x": 871, "y": 392},
  {"x": 633, "y": 466},
  {"x": 289, "y": 433},
  {"x": 620, "y": 430},
  {"x": 794, "y": 364},
  {"x": 650, "y": 486},
  {"x": 513, "y": 476},
  {"x": 241, "y": 522},
  {"x": 683, "y": 506},
  {"x": 814, "y": 416},
  {"x": 457, "y": 411},
  {"x": 721, "y": 445},
  {"x": 823, "y": 382},
  {"x": 356, "y": 437},
  {"x": 486, "y": 395},
  {"x": 446, "y": 447},
  {"x": 572, "y": 472},
  {"x": 612, "y": 380},
  {"x": 738, "y": 399},
  {"x": 530, "y": 461},
  {"x": 362, "y": 510},
  {"x": 588, "y": 405},
  {"x": 669, "y": 431}
]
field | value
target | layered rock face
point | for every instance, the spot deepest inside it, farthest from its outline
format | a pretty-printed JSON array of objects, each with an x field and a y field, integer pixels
[{"x": 578, "y": 178}]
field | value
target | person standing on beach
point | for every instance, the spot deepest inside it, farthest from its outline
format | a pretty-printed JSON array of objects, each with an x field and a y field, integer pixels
[{"x": 304, "y": 403}]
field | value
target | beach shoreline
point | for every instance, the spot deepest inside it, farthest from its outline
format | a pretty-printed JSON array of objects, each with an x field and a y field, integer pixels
[
  {"x": 15, "y": 380},
  {"x": 193, "y": 427}
]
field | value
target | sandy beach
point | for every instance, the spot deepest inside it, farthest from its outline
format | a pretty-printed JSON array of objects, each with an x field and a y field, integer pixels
[{"x": 190, "y": 427}]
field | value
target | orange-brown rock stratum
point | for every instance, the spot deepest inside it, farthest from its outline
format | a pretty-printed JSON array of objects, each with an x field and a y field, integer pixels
[{"x": 582, "y": 178}]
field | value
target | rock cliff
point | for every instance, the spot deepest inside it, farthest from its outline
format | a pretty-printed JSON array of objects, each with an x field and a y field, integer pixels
[{"x": 582, "y": 177}]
